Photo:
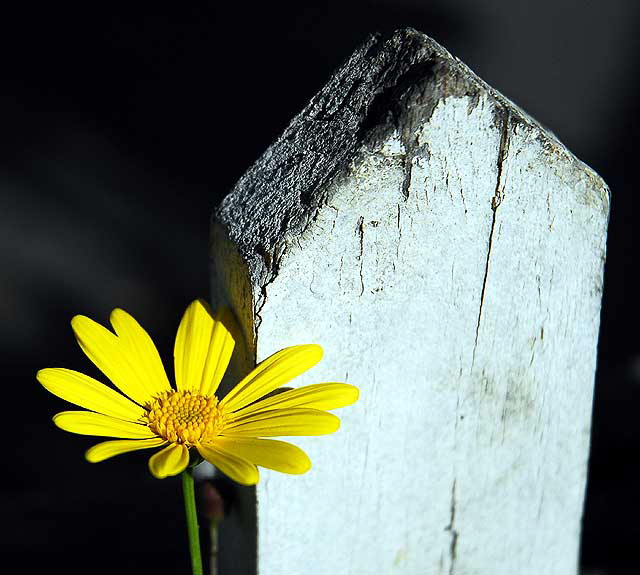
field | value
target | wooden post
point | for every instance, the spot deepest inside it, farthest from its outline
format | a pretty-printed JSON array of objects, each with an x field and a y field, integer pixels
[{"x": 447, "y": 252}]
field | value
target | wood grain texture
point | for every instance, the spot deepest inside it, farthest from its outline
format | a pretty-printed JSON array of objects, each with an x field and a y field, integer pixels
[{"x": 447, "y": 253}]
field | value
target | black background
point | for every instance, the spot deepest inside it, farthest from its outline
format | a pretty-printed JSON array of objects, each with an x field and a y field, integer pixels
[{"x": 121, "y": 130}]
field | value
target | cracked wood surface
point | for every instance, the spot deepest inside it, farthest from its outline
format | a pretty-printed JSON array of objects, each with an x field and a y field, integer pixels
[{"x": 447, "y": 253}]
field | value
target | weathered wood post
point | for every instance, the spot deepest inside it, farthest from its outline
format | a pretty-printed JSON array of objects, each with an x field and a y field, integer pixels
[{"x": 447, "y": 252}]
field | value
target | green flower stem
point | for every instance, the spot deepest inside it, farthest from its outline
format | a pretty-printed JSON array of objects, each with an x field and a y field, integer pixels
[{"x": 188, "y": 490}]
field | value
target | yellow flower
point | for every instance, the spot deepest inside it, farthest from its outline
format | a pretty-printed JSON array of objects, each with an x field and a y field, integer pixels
[{"x": 226, "y": 432}]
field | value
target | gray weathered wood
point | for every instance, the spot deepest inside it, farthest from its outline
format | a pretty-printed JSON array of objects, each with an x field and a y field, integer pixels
[{"x": 447, "y": 253}]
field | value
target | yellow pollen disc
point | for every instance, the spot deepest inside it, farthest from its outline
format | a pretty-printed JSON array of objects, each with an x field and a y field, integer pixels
[{"x": 184, "y": 417}]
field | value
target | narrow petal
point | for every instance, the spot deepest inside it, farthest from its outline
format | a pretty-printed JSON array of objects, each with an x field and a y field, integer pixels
[
  {"x": 238, "y": 469},
  {"x": 269, "y": 453},
  {"x": 203, "y": 348},
  {"x": 172, "y": 460},
  {"x": 107, "y": 449},
  {"x": 141, "y": 352},
  {"x": 279, "y": 422},
  {"x": 88, "y": 393},
  {"x": 318, "y": 396},
  {"x": 223, "y": 336},
  {"x": 273, "y": 372},
  {"x": 88, "y": 423},
  {"x": 117, "y": 358}
]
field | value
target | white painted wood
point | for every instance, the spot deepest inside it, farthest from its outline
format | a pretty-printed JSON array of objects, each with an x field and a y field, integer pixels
[{"x": 450, "y": 263}]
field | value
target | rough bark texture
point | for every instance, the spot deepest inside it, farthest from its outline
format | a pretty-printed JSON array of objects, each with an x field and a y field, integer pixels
[{"x": 447, "y": 252}]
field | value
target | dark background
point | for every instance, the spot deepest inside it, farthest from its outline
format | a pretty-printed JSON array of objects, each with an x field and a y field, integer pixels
[{"x": 120, "y": 131}]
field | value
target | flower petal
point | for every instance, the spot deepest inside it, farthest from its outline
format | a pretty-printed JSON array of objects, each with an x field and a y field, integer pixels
[
  {"x": 238, "y": 469},
  {"x": 88, "y": 423},
  {"x": 273, "y": 372},
  {"x": 118, "y": 357},
  {"x": 203, "y": 348},
  {"x": 86, "y": 392},
  {"x": 141, "y": 352},
  {"x": 107, "y": 449},
  {"x": 172, "y": 460},
  {"x": 317, "y": 396},
  {"x": 269, "y": 453},
  {"x": 278, "y": 422}
]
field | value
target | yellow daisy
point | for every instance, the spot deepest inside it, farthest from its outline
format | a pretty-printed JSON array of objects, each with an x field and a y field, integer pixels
[{"x": 226, "y": 432}]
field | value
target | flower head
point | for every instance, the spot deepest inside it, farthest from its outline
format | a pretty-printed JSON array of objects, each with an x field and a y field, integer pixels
[{"x": 149, "y": 412}]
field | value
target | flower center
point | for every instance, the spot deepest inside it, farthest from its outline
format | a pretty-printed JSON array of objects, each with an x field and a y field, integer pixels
[{"x": 184, "y": 416}]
